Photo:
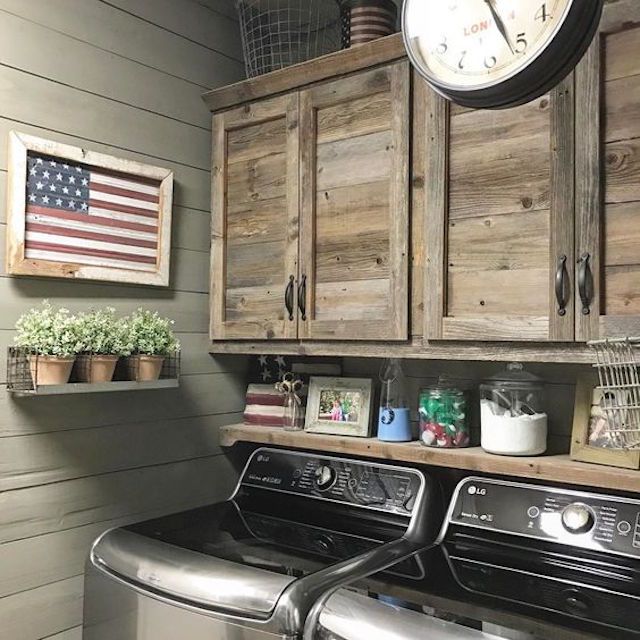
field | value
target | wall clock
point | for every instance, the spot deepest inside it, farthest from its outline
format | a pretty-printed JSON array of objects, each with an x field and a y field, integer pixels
[{"x": 494, "y": 54}]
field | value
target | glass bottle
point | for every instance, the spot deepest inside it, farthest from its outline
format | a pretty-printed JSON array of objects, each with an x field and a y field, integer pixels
[
  {"x": 394, "y": 424},
  {"x": 444, "y": 420}
]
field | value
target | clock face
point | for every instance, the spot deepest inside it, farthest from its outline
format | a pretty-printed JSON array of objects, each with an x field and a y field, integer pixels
[
  {"x": 492, "y": 54},
  {"x": 471, "y": 44}
]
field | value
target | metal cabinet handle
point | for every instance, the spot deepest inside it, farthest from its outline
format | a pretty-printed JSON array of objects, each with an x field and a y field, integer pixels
[
  {"x": 585, "y": 283},
  {"x": 288, "y": 297},
  {"x": 562, "y": 292},
  {"x": 302, "y": 297}
]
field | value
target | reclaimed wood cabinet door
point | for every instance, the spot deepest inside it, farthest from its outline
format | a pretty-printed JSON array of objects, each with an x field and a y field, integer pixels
[
  {"x": 354, "y": 207},
  {"x": 255, "y": 221},
  {"x": 608, "y": 178},
  {"x": 500, "y": 221}
]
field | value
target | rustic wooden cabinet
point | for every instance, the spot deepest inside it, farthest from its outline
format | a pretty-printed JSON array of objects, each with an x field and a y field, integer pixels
[
  {"x": 254, "y": 253},
  {"x": 608, "y": 178},
  {"x": 354, "y": 206},
  {"x": 310, "y": 212},
  {"x": 500, "y": 221}
]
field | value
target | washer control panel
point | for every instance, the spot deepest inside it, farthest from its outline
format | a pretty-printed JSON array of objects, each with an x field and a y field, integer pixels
[
  {"x": 353, "y": 482},
  {"x": 586, "y": 520}
]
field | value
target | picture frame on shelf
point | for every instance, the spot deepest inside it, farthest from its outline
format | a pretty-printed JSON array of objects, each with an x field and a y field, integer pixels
[
  {"x": 590, "y": 439},
  {"x": 339, "y": 406},
  {"x": 79, "y": 214}
]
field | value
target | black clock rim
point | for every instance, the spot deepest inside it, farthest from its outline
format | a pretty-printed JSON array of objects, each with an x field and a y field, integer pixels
[{"x": 553, "y": 65}]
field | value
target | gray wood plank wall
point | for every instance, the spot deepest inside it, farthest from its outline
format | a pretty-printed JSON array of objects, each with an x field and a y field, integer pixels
[{"x": 123, "y": 77}]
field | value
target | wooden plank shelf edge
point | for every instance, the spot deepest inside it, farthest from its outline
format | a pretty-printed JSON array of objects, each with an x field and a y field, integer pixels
[
  {"x": 101, "y": 387},
  {"x": 553, "y": 468}
]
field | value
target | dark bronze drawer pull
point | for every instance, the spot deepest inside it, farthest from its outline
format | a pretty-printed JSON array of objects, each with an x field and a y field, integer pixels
[
  {"x": 585, "y": 283},
  {"x": 302, "y": 297},
  {"x": 288, "y": 297},
  {"x": 562, "y": 289}
]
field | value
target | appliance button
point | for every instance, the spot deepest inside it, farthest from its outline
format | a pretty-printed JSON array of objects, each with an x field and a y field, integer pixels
[
  {"x": 325, "y": 477},
  {"x": 533, "y": 512},
  {"x": 624, "y": 527},
  {"x": 297, "y": 473},
  {"x": 324, "y": 543},
  {"x": 576, "y": 603},
  {"x": 578, "y": 518}
]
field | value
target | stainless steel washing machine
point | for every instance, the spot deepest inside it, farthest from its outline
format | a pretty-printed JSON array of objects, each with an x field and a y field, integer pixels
[
  {"x": 251, "y": 567},
  {"x": 516, "y": 561}
]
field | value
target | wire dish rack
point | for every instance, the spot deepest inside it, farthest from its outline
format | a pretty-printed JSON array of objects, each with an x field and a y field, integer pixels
[{"x": 618, "y": 365}]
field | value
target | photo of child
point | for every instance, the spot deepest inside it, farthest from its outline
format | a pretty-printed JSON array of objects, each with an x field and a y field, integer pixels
[{"x": 340, "y": 406}]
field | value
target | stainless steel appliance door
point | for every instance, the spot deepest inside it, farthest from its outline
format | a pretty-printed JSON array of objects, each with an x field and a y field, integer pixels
[
  {"x": 351, "y": 616},
  {"x": 115, "y": 611}
]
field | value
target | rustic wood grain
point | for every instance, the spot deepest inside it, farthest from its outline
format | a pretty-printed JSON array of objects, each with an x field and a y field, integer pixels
[{"x": 550, "y": 468}]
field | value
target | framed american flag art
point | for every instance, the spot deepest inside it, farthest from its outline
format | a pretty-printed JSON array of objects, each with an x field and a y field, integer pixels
[{"x": 74, "y": 213}]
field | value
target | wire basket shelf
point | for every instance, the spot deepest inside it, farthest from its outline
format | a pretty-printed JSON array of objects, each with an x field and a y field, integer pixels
[
  {"x": 22, "y": 372},
  {"x": 279, "y": 33},
  {"x": 618, "y": 366}
]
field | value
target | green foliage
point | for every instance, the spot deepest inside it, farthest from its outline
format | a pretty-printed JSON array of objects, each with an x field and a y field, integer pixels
[
  {"x": 102, "y": 333},
  {"x": 150, "y": 334},
  {"x": 48, "y": 331}
]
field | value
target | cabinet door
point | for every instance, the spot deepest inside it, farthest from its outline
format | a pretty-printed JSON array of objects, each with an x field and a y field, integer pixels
[
  {"x": 354, "y": 207},
  {"x": 500, "y": 220},
  {"x": 255, "y": 221},
  {"x": 608, "y": 178}
]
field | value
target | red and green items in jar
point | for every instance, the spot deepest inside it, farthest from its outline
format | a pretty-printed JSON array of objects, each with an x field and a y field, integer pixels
[{"x": 443, "y": 418}]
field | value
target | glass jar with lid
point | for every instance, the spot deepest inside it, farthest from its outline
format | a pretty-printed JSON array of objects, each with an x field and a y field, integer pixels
[
  {"x": 513, "y": 418},
  {"x": 443, "y": 417}
]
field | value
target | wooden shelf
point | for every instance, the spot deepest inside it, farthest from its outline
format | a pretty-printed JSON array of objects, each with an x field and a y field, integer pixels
[
  {"x": 556, "y": 468},
  {"x": 103, "y": 387}
]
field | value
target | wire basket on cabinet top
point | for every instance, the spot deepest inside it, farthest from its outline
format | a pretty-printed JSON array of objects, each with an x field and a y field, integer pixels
[{"x": 618, "y": 365}]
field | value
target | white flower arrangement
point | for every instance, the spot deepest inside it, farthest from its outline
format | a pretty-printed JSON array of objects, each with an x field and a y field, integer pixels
[
  {"x": 150, "y": 334},
  {"x": 48, "y": 331},
  {"x": 101, "y": 333}
]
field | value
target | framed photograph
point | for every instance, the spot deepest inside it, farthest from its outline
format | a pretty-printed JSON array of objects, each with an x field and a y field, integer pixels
[
  {"x": 591, "y": 439},
  {"x": 339, "y": 406},
  {"x": 73, "y": 213}
]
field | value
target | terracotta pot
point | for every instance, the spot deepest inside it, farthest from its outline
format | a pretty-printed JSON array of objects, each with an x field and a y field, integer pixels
[
  {"x": 143, "y": 368},
  {"x": 47, "y": 370},
  {"x": 96, "y": 368}
]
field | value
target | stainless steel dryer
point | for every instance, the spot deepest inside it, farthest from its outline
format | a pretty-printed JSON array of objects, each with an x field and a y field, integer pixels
[
  {"x": 517, "y": 561},
  {"x": 251, "y": 568}
]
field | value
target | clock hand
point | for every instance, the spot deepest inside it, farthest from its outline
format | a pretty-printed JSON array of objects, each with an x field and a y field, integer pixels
[{"x": 500, "y": 24}]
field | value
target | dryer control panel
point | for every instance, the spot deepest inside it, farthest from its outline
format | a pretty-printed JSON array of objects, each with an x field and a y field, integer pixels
[
  {"x": 353, "y": 482},
  {"x": 579, "y": 519}
]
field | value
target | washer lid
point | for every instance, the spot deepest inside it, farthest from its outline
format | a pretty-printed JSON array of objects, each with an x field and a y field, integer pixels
[{"x": 193, "y": 578}]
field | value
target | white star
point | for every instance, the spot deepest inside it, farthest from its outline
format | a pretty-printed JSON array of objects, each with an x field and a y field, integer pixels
[
  {"x": 58, "y": 177},
  {"x": 78, "y": 192},
  {"x": 32, "y": 197},
  {"x": 263, "y": 361},
  {"x": 280, "y": 361},
  {"x": 53, "y": 163},
  {"x": 65, "y": 190},
  {"x": 45, "y": 175},
  {"x": 39, "y": 185},
  {"x": 45, "y": 200},
  {"x": 39, "y": 161},
  {"x": 72, "y": 204},
  {"x": 52, "y": 187},
  {"x": 266, "y": 375},
  {"x": 33, "y": 171},
  {"x": 85, "y": 182},
  {"x": 72, "y": 180},
  {"x": 65, "y": 166},
  {"x": 59, "y": 202},
  {"x": 83, "y": 206},
  {"x": 79, "y": 169}
]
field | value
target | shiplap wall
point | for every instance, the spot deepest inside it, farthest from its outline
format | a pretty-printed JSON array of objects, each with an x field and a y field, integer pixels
[{"x": 123, "y": 77}]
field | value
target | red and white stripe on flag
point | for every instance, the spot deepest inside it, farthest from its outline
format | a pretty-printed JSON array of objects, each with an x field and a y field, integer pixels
[{"x": 91, "y": 216}]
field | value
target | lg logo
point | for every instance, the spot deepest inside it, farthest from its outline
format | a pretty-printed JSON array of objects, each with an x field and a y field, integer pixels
[{"x": 479, "y": 491}]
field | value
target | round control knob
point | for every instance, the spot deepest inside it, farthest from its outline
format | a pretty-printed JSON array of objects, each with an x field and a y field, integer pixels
[
  {"x": 578, "y": 518},
  {"x": 325, "y": 477}
]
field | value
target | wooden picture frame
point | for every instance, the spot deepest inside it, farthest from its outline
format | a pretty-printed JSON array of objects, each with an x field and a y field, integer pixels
[
  {"x": 583, "y": 416},
  {"x": 112, "y": 223},
  {"x": 355, "y": 393}
]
